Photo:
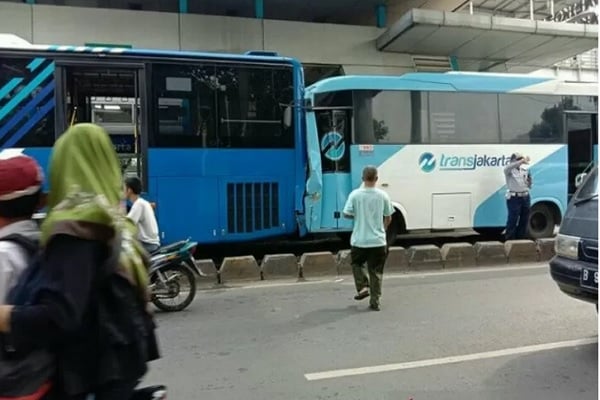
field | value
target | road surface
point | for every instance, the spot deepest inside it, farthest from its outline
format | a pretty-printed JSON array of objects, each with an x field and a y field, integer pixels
[{"x": 503, "y": 333}]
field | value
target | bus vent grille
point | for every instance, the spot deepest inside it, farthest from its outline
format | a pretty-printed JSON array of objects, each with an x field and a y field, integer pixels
[
  {"x": 252, "y": 206},
  {"x": 431, "y": 63}
]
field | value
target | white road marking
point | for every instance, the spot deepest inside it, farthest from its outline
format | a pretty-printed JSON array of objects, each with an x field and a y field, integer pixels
[{"x": 447, "y": 360}]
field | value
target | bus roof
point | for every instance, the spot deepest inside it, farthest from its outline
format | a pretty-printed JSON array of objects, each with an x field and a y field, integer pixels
[
  {"x": 455, "y": 82},
  {"x": 264, "y": 56}
]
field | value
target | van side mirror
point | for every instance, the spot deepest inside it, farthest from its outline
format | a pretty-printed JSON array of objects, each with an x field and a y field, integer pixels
[
  {"x": 579, "y": 179},
  {"x": 287, "y": 117}
]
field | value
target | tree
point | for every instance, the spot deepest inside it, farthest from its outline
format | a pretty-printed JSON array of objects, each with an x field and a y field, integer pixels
[{"x": 550, "y": 126}]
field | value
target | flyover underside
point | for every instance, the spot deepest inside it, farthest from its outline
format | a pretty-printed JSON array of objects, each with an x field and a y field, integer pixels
[{"x": 483, "y": 43}]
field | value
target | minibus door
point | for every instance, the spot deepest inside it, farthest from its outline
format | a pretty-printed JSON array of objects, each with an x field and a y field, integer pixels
[{"x": 334, "y": 133}]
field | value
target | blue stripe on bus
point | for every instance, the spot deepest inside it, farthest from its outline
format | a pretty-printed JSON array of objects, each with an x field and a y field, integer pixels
[
  {"x": 27, "y": 90},
  {"x": 34, "y": 64},
  {"x": 6, "y": 89},
  {"x": 27, "y": 109},
  {"x": 37, "y": 117}
]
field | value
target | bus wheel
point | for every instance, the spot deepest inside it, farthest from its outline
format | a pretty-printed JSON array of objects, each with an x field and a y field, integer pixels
[
  {"x": 396, "y": 227},
  {"x": 542, "y": 221}
]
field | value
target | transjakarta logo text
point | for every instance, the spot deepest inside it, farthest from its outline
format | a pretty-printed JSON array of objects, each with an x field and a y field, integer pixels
[{"x": 428, "y": 161}]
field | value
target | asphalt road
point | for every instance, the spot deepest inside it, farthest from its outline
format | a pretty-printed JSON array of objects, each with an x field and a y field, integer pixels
[{"x": 466, "y": 335}]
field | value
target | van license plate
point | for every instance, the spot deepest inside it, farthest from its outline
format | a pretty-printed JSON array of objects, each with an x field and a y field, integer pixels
[{"x": 589, "y": 279}]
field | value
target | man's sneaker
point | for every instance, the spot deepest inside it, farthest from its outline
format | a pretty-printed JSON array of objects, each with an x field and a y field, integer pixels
[
  {"x": 374, "y": 307},
  {"x": 363, "y": 294}
]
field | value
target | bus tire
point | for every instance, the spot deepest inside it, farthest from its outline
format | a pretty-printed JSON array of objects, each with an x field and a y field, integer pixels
[
  {"x": 542, "y": 220},
  {"x": 395, "y": 228}
]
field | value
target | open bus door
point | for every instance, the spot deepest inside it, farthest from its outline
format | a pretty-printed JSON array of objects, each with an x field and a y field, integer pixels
[
  {"x": 328, "y": 139},
  {"x": 110, "y": 96},
  {"x": 582, "y": 139}
]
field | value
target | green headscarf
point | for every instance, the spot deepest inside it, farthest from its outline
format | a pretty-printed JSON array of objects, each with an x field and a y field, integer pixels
[{"x": 85, "y": 196}]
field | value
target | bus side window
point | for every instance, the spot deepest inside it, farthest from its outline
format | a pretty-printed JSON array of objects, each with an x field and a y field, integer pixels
[{"x": 389, "y": 116}]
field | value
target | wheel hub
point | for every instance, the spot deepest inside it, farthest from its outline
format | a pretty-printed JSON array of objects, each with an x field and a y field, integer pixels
[{"x": 538, "y": 222}]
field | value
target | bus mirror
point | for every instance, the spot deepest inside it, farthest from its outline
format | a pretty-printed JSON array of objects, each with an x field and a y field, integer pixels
[
  {"x": 287, "y": 117},
  {"x": 579, "y": 179}
]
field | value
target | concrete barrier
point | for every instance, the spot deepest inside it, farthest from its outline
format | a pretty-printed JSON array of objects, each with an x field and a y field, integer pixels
[
  {"x": 396, "y": 260},
  {"x": 424, "y": 257},
  {"x": 239, "y": 268},
  {"x": 521, "y": 251},
  {"x": 458, "y": 255},
  {"x": 545, "y": 249},
  {"x": 490, "y": 253},
  {"x": 209, "y": 271},
  {"x": 207, "y": 267},
  {"x": 317, "y": 264},
  {"x": 399, "y": 259},
  {"x": 279, "y": 266},
  {"x": 344, "y": 262}
]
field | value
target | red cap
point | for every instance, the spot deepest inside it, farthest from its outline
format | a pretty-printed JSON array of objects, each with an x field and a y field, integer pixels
[{"x": 20, "y": 175}]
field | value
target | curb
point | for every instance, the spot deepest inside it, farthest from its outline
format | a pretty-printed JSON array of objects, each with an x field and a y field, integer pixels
[{"x": 309, "y": 266}]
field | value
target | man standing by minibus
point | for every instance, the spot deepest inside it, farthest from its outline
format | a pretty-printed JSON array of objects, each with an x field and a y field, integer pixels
[
  {"x": 371, "y": 210},
  {"x": 518, "y": 201}
]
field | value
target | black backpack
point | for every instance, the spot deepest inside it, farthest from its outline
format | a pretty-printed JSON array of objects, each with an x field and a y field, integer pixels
[
  {"x": 30, "y": 279},
  {"x": 24, "y": 371}
]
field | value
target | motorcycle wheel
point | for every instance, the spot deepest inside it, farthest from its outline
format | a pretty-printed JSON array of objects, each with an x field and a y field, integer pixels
[{"x": 182, "y": 273}]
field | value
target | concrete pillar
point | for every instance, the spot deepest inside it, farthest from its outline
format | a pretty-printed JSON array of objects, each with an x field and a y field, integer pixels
[
  {"x": 381, "y": 15},
  {"x": 183, "y": 6},
  {"x": 259, "y": 9}
]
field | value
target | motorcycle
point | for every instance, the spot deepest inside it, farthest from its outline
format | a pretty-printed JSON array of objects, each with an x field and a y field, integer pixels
[
  {"x": 171, "y": 267},
  {"x": 157, "y": 392}
]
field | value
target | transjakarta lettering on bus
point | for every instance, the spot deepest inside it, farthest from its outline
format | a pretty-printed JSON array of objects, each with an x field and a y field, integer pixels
[
  {"x": 453, "y": 162},
  {"x": 448, "y": 162}
]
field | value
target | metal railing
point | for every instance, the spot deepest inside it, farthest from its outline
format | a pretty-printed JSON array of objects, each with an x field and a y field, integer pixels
[{"x": 587, "y": 60}]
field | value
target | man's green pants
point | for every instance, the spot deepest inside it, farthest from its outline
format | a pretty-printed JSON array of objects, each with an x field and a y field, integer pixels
[{"x": 374, "y": 258}]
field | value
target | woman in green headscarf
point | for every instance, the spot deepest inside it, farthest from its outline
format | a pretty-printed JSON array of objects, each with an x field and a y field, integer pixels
[{"x": 92, "y": 306}]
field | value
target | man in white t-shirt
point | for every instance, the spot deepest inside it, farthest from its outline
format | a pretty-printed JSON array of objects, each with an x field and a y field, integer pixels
[
  {"x": 371, "y": 210},
  {"x": 142, "y": 214}
]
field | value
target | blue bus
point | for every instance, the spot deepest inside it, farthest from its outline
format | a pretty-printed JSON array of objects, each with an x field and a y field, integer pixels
[
  {"x": 216, "y": 138},
  {"x": 440, "y": 141},
  {"x": 234, "y": 148}
]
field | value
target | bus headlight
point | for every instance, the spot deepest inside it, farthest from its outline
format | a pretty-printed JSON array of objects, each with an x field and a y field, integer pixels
[{"x": 567, "y": 246}]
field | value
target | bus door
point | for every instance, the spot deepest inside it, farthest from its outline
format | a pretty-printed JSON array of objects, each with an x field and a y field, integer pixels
[
  {"x": 582, "y": 139},
  {"x": 334, "y": 135},
  {"x": 110, "y": 96}
]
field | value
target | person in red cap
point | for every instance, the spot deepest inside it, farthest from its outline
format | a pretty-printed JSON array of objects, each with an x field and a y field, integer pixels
[{"x": 21, "y": 181}]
